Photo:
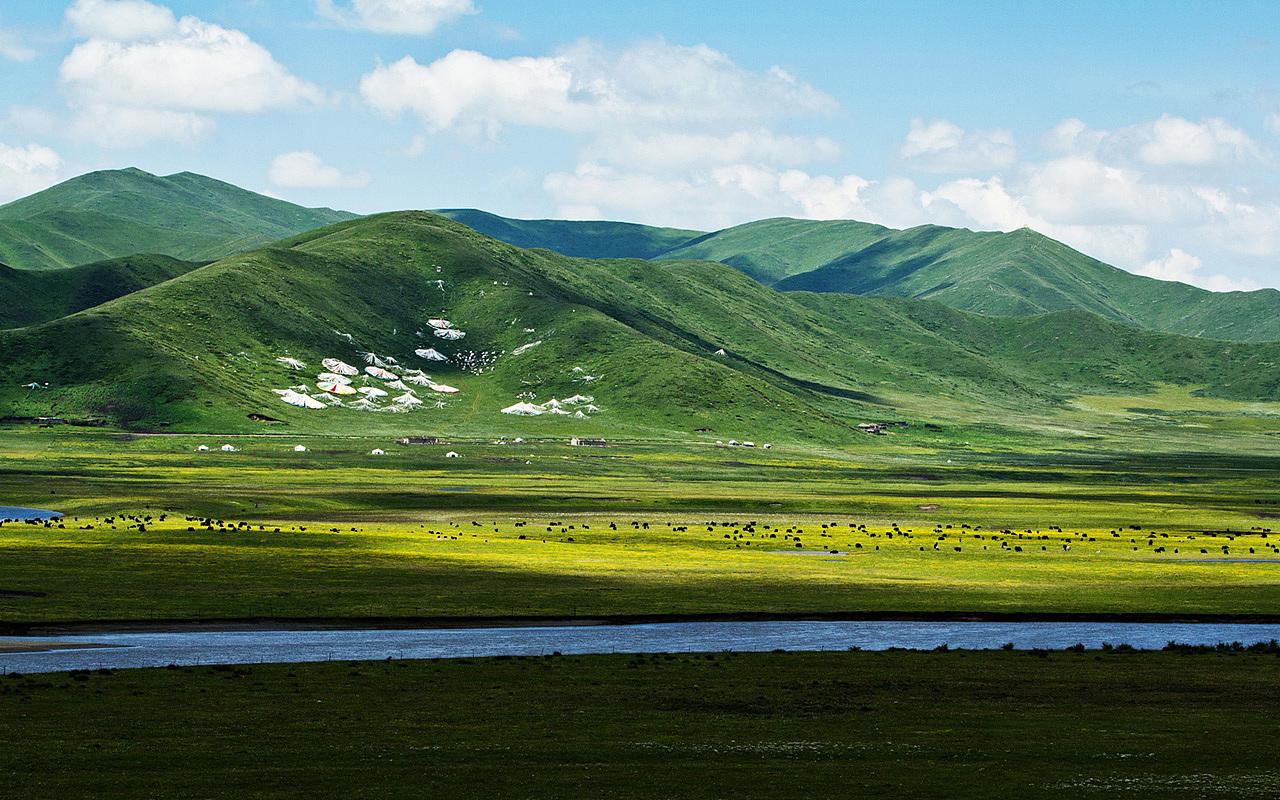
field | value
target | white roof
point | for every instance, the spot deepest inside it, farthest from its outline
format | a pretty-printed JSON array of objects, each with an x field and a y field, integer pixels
[
  {"x": 524, "y": 410},
  {"x": 377, "y": 452},
  {"x": 340, "y": 367}
]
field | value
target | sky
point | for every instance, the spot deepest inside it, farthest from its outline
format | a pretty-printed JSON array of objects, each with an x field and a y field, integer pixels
[{"x": 1144, "y": 134}]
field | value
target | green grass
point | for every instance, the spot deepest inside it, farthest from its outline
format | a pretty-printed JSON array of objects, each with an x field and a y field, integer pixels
[
  {"x": 46, "y": 295},
  {"x": 416, "y": 534},
  {"x": 198, "y": 352},
  {"x": 922, "y": 725},
  {"x": 113, "y": 213}
]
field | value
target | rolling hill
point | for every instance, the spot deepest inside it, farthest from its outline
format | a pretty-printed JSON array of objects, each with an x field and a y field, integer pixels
[
  {"x": 115, "y": 213},
  {"x": 1000, "y": 274},
  {"x": 673, "y": 347},
  {"x": 49, "y": 294}
]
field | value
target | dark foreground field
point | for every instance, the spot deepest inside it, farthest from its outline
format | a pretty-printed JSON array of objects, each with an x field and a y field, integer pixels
[{"x": 945, "y": 725}]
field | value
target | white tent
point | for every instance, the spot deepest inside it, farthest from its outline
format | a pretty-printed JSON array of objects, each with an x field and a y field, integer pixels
[
  {"x": 399, "y": 386},
  {"x": 524, "y": 348},
  {"x": 333, "y": 377},
  {"x": 524, "y": 410},
  {"x": 377, "y": 452},
  {"x": 552, "y": 403},
  {"x": 300, "y": 400},
  {"x": 452, "y": 454},
  {"x": 371, "y": 391},
  {"x": 449, "y": 334},
  {"x": 580, "y": 415},
  {"x": 204, "y": 448},
  {"x": 227, "y": 448},
  {"x": 578, "y": 399},
  {"x": 430, "y": 354},
  {"x": 417, "y": 380},
  {"x": 440, "y": 324},
  {"x": 407, "y": 399},
  {"x": 299, "y": 448},
  {"x": 291, "y": 363},
  {"x": 363, "y": 404},
  {"x": 442, "y": 388},
  {"x": 340, "y": 367},
  {"x": 381, "y": 374},
  {"x": 335, "y": 388}
]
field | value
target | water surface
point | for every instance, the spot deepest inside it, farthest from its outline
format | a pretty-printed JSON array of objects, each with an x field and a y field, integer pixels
[{"x": 281, "y": 646}]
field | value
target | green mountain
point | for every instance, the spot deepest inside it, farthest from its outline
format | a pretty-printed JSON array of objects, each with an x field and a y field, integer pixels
[
  {"x": 1001, "y": 274},
  {"x": 48, "y": 294},
  {"x": 668, "y": 348},
  {"x": 575, "y": 238},
  {"x": 115, "y": 213}
]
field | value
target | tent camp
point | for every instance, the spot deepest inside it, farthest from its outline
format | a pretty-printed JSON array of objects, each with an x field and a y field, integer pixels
[
  {"x": 440, "y": 324},
  {"x": 382, "y": 374},
  {"x": 449, "y": 334}
]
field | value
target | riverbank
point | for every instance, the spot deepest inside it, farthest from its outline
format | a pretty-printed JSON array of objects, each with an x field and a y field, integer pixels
[
  {"x": 231, "y": 624},
  {"x": 769, "y": 725}
]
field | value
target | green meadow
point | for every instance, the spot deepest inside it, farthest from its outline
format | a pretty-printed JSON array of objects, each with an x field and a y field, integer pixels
[
  {"x": 156, "y": 530},
  {"x": 778, "y": 725}
]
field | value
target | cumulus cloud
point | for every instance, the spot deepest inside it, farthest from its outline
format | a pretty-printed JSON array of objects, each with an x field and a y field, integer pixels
[
  {"x": 1167, "y": 141},
  {"x": 120, "y": 20},
  {"x": 140, "y": 66},
  {"x": 586, "y": 87},
  {"x": 1179, "y": 265},
  {"x": 943, "y": 146},
  {"x": 13, "y": 48},
  {"x": 1273, "y": 123},
  {"x": 27, "y": 169},
  {"x": 125, "y": 126},
  {"x": 409, "y": 17},
  {"x": 306, "y": 170}
]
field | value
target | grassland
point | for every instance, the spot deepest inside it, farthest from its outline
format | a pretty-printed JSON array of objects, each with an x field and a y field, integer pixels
[
  {"x": 921, "y": 725},
  {"x": 525, "y": 530}
]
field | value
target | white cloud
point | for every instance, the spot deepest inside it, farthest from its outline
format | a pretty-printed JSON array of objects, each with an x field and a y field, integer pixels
[
  {"x": 27, "y": 169},
  {"x": 1164, "y": 142},
  {"x": 306, "y": 170},
  {"x": 1273, "y": 123},
  {"x": 142, "y": 68},
  {"x": 942, "y": 146},
  {"x": 411, "y": 17},
  {"x": 13, "y": 48},
  {"x": 1183, "y": 267},
  {"x": 669, "y": 149},
  {"x": 586, "y": 87},
  {"x": 123, "y": 126},
  {"x": 120, "y": 20}
]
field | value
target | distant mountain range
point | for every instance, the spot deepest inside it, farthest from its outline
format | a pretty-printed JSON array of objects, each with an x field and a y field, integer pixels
[
  {"x": 115, "y": 213},
  {"x": 1002, "y": 274},
  {"x": 668, "y": 347}
]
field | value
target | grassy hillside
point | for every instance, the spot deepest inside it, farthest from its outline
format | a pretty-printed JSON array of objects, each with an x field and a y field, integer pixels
[
  {"x": 575, "y": 238},
  {"x": 1002, "y": 274},
  {"x": 773, "y": 249},
  {"x": 643, "y": 338},
  {"x": 1024, "y": 272},
  {"x": 44, "y": 295},
  {"x": 115, "y": 213}
]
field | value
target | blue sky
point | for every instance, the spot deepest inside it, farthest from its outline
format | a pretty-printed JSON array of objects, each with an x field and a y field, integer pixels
[{"x": 1147, "y": 135}]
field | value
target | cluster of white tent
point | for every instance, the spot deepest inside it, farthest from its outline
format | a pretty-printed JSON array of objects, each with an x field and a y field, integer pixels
[
  {"x": 337, "y": 385},
  {"x": 579, "y": 407}
]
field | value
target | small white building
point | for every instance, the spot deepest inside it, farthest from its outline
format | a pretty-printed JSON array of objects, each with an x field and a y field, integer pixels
[
  {"x": 298, "y": 448},
  {"x": 452, "y": 454},
  {"x": 228, "y": 448},
  {"x": 204, "y": 448},
  {"x": 377, "y": 451}
]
